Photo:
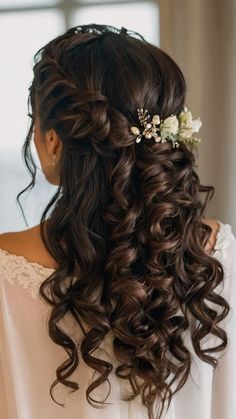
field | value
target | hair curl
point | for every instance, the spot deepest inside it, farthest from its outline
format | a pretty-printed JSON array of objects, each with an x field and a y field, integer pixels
[{"x": 125, "y": 221}]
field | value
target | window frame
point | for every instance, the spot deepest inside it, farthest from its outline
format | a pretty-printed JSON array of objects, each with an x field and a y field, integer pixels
[{"x": 67, "y": 7}]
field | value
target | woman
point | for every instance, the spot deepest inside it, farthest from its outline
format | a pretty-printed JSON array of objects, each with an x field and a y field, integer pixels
[{"x": 120, "y": 298}]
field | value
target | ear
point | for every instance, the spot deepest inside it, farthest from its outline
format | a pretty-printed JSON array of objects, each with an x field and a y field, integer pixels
[{"x": 53, "y": 142}]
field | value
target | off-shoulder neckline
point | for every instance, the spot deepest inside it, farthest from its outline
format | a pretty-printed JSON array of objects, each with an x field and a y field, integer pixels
[
  {"x": 24, "y": 260},
  {"x": 48, "y": 269}
]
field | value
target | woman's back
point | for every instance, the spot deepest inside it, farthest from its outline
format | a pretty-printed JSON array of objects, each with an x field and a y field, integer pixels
[
  {"x": 28, "y": 243},
  {"x": 29, "y": 358},
  {"x": 124, "y": 236}
]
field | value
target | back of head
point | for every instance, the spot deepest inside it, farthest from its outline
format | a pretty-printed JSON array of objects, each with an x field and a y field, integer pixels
[{"x": 125, "y": 224}]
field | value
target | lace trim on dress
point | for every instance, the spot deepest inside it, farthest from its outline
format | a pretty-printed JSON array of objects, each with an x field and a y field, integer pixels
[
  {"x": 31, "y": 274},
  {"x": 18, "y": 269}
]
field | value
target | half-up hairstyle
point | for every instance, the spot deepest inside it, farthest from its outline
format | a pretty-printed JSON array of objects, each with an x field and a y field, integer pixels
[{"x": 125, "y": 225}]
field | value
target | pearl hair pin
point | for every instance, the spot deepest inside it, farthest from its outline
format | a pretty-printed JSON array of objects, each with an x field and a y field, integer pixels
[{"x": 150, "y": 128}]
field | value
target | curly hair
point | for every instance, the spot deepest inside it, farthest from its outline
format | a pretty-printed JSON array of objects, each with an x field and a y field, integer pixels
[{"x": 125, "y": 224}]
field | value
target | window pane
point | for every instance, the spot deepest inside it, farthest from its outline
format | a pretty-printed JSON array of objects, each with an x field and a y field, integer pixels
[
  {"x": 21, "y": 3},
  {"x": 101, "y": 1},
  {"x": 140, "y": 17},
  {"x": 31, "y": 30}
]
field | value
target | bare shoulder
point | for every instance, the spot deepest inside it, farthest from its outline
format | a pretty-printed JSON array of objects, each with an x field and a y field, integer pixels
[
  {"x": 11, "y": 241},
  {"x": 18, "y": 242},
  {"x": 27, "y": 243},
  {"x": 215, "y": 226}
]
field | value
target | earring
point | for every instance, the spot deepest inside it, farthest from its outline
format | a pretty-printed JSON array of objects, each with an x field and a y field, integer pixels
[{"x": 54, "y": 160}]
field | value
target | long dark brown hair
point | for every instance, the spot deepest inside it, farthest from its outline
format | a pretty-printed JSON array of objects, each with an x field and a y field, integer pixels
[{"x": 125, "y": 224}]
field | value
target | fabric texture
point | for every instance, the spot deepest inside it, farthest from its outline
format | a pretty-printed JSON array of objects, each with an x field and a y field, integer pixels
[{"x": 28, "y": 357}]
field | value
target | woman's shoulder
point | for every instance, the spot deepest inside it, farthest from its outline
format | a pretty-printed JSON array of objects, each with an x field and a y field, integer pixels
[
  {"x": 222, "y": 243},
  {"x": 215, "y": 230},
  {"x": 27, "y": 245},
  {"x": 19, "y": 262},
  {"x": 222, "y": 238}
]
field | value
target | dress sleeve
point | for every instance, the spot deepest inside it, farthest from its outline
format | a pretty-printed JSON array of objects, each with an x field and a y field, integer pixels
[{"x": 224, "y": 376}]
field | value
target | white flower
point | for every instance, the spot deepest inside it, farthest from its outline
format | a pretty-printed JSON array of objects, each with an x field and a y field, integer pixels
[
  {"x": 196, "y": 125},
  {"x": 169, "y": 126},
  {"x": 187, "y": 126},
  {"x": 185, "y": 119},
  {"x": 185, "y": 133}
]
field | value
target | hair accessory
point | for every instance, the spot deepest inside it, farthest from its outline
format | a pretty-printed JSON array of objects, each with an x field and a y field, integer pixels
[{"x": 178, "y": 129}]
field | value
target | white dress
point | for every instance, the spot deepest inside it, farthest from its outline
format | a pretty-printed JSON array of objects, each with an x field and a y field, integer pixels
[{"x": 28, "y": 357}]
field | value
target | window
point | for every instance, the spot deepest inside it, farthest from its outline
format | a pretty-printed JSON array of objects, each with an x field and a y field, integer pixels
[{"x": 141, "y": 17}]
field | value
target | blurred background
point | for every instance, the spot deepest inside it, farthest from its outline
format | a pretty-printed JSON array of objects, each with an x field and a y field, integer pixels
[{"x": 199, "y": 34}]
